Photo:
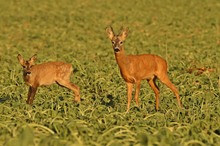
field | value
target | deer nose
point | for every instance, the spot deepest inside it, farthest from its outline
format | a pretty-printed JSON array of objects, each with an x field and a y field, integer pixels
[
  {"x": 27, "y": 73},
  {"x": 116, "y": 49}
]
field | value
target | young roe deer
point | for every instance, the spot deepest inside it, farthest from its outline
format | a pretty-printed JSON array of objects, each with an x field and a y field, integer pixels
[
  {"x": 46, "y": 74},
  {"x": 135, "y": 68}
]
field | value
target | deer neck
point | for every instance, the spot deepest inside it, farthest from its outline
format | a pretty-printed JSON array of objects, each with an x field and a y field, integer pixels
[{"x": 122, "y": 61}]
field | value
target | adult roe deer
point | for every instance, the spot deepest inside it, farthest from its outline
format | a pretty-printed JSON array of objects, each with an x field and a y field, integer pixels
[
  {"x": 134, "y": 68},
  {"x": 46, "y": 74}
]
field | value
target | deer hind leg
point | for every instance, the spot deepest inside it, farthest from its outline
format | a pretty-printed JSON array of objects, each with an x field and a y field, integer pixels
[
  {"x": 72, "y": 87},
  {"x": 129, "y": 94},
  {"x": 138, "y": 84},
  {"x": 155, "y": 88},
  {"x": 31, "y": 93},
  {"x": 164, "y": 79}
]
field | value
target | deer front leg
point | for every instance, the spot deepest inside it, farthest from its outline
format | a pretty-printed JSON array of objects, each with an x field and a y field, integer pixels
[
  {"x": 129, "y": 94},
  {"x": 31, "y": 94},
  {"x": 138, "y": 85}
]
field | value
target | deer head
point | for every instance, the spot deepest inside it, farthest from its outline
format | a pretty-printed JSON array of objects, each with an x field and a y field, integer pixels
[
  {"x": 27, "y": 65},
  {"x": 117, "y": 40}
]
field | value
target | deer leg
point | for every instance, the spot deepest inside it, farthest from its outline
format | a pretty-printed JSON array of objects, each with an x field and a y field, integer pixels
[
  {"x": 76, "y": 91},
  {"x": 31, "y": 93},
  {"x": 156, "y": 91},
  {"x": 129, "y": 94},
  {"x": 169, "y": 84},
  {"x": 72, "y": 87},
  {"x": 138, "y": 85}
]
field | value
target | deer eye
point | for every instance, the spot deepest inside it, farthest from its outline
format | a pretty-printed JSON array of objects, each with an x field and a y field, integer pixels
[
  {"x": 121, "y": 43},
  {"x": 113, "y": 42}
]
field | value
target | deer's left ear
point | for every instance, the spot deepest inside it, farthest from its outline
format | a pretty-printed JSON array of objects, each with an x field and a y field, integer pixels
[
  {"x": 33, "y": 59},
  {"x": 124, "y": 32}
]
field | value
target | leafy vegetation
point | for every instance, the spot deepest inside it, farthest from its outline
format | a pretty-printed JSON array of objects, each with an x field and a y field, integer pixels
[{"x": 186, "y": 33}]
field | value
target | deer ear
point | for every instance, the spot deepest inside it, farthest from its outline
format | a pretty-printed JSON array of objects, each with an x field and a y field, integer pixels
[
  {"x": 20, "y": 59},
  {"x": 124, "y": 32},
  {"x": 110, "y": 32},
  {"x": 33, "y": 59}
]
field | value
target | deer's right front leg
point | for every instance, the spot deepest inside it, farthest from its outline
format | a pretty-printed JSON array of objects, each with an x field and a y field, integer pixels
[
  {"x": 129, "y": 93},
  {"x": 31, "y": 94}
]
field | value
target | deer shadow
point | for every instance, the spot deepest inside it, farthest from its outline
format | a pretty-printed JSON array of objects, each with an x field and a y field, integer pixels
[
  {"x": 5, "y": 98},
  {"x": 108, "y": 101}
]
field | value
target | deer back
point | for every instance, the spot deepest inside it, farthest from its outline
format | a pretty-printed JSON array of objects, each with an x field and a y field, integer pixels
[
  {"x": 47, "y": 73},
  {"x": 145, "y": 66}
]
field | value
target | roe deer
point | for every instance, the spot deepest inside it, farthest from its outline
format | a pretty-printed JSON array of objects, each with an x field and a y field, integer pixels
[
  {"x": 46, "y": 74},
  {"x": 135, "y": 68}
]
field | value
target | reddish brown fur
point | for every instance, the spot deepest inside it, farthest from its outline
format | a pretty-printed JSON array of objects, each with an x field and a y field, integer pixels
[
  {"x": 135, "y": 68},
  {"x": 46, "y": 74}
]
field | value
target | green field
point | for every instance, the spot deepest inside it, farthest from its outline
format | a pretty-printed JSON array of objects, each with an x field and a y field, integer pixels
[{"x": 184, "y": 32}]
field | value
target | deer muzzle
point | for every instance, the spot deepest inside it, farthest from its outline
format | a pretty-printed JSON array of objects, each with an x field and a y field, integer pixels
[
  {"x": 116, "y": 49},
  {"x": 27, "y": 73}
]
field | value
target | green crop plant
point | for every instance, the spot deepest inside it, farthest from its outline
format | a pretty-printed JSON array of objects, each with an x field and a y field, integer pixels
[{"x": 186, "y": 33}]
